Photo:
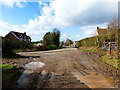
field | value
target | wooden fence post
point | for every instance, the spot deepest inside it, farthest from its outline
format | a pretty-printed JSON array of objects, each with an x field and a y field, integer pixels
[{"x": 109, "y": 48}]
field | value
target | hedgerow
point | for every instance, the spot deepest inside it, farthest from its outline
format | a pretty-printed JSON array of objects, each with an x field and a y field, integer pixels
[{"x": 97, "y": 40}]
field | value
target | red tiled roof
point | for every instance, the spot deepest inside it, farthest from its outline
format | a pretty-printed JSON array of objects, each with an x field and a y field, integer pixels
[
  {"x": 19, "y": 34},
  {"x": 103, "y": 31}
]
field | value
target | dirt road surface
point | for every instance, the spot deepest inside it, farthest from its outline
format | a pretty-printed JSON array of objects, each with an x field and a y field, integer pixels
[{"x": 69, "y": 68}]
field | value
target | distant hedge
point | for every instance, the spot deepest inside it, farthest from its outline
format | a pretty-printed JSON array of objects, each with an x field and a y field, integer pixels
[{"x": 97, "y": 40}]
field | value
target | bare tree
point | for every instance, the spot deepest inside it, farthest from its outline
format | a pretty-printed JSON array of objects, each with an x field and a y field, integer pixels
[{"x": 113, "y": 26}]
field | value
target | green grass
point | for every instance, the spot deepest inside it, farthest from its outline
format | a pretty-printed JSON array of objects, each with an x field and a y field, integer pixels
[
  {"x": 90, "y": 50},
  {"x": 52, "y": 47},
  {"x": 35, "y": 44},
  {"x": 5, "y": 66},
  {"x": 8, "y": 72},
  {"x": 112, "y": 62}
]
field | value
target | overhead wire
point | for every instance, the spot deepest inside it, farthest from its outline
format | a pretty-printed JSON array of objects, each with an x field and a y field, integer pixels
[
  {"x": 34, "y": 8},
  {"x": 40, "y": 13}
]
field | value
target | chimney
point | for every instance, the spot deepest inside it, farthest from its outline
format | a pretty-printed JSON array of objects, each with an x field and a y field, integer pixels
[
  {"x": 25, "y": 33},
  {"x": 98, "y": 28}
]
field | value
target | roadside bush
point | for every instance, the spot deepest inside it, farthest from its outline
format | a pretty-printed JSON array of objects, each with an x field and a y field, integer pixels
[
  {"x": 9, "y": 72},
  {"x": 42, "y": 48},
  {"x": 22, "y": 45},
  {"x": 39, "y": 48},
  {"x": 52, "y": 47},
  {"x": 7, "y": 48}
]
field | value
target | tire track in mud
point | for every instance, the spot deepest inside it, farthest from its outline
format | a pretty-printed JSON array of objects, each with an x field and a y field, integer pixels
[
  {"x": 92, "y": 77},
  {"x": 71, "y": 69},
  {"x": 64, "y": 81}
]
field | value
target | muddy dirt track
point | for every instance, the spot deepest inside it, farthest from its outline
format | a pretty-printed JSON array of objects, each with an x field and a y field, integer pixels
[{"x": 69, "y": 68}]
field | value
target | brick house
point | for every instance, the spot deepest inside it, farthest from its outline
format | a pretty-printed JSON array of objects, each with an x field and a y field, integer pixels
[
  {"x": 100, "y": 31},
  {"x": 15, "y": 36}
]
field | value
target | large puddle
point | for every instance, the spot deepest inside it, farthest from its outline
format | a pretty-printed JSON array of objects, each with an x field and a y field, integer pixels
[
  {"x": 94, "y": 80},
  {"x": 27, "y": 76}
]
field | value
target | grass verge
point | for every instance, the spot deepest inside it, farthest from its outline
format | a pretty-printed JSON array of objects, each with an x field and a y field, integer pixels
[
  {"x": 111, "y": 61},
  {"x": 9, "y": 72},
  {"x": 89, "y": 50}
]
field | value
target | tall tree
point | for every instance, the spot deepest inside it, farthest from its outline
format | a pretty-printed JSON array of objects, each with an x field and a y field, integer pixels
[
  {"x": 48, "y": 39},
  {"x": 52, "y": 38},
  {"x": 56, "y": 36},
  {"x": 68, "y": 42}
]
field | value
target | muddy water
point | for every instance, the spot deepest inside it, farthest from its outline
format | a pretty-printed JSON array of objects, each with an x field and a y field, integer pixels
[
  {"x": 25, "y": 79},
  {"x": 28, "y": 75},
  {"x": 95, "y": 80}
]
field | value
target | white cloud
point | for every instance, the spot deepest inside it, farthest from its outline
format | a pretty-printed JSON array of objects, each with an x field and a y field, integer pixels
[
  {"x": 35, "y": 27},
  {"x": 43, "y": 3},
  {"x": 84, "y": 14},
  {"x": 31, "y": 29},
  {"x": 65, "y": 36},
  {"x": 21, "y": 3},
  {"x": 12, "y": 3},
  {"x": 70, "y": 36},
  {"x": 90, "y": 30}
]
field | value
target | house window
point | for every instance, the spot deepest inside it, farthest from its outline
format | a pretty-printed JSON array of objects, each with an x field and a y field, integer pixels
[
  {"x": 21, "y": 37},
  {"x": 29, "y": 39},
  {"x": 25, "y": 38}
]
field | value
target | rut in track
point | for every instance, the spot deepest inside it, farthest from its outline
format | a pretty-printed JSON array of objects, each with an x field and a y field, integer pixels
[{"x": 70, "y": 68}]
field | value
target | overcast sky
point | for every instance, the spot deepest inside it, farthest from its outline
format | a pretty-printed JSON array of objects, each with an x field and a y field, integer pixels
[{"x": 76, "y": 19}]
